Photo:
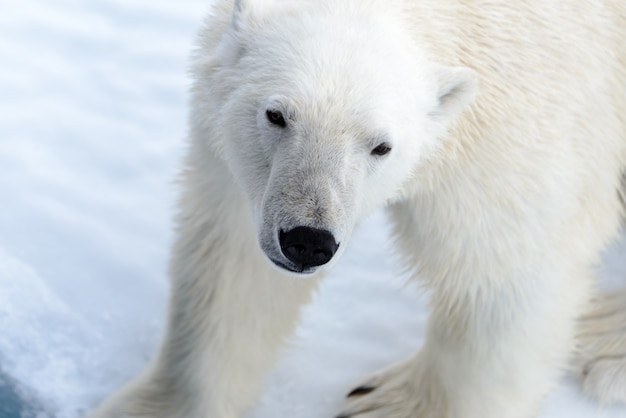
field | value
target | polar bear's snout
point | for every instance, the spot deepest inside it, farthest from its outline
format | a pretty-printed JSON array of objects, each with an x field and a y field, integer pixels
[
  {"x": 307, "y": 211},
  {"x": 307, "y": 247}
]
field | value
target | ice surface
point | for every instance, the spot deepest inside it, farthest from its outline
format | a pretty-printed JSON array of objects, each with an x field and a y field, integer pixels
[{"x": 92, "y": 121}]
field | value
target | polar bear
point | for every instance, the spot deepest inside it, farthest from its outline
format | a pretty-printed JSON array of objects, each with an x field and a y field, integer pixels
[{"x": 495, "y": 134}]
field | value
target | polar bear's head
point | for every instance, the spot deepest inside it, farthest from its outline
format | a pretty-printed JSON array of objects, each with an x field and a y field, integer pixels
[{"x": 324, "y": 113}]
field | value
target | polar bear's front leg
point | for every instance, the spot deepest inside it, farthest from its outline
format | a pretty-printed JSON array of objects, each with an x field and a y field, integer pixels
[
  {"x": 230, "y": 310},
  {"x": 490, "y": 352}
]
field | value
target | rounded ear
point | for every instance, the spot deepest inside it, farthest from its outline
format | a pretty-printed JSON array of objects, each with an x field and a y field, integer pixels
[
  {"x": 230, "y": 46},
  {"x": 240, "y": 12},
  {"x": 246, "y": 12},
  {"x": 456, "y": 89}
]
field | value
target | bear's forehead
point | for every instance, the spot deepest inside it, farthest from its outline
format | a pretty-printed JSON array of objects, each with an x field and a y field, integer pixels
[
  {"x": 325, "y": 36},
  {"x": 348, "y": 61}
]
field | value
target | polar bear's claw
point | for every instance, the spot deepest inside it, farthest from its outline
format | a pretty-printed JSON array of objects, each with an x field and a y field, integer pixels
[
  {"x": 601, "y": 359},
  {"x": 390, "y": 393},
  {"x": 361, "y": 390}
]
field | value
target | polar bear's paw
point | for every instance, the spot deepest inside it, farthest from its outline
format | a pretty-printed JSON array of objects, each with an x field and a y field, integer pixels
[
  {"x": 394, "y": 393},
  {"x": 601, "y": 359}
]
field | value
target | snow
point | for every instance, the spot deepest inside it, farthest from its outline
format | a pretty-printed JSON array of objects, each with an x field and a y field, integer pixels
[{"x": 92, "y": 127}]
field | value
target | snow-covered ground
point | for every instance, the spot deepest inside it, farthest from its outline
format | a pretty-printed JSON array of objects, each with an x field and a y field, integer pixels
[{"x": 92, "y": 121}]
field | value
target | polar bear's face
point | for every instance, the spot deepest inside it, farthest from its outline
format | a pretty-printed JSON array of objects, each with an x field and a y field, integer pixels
[{"x": 325, "y": 119}]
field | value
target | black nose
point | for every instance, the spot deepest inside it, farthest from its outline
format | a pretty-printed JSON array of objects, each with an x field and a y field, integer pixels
[{"x": 307, "y": 247}]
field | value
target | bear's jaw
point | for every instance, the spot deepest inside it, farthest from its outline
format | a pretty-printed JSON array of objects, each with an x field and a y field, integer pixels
[{"x": 293, "y": 269}]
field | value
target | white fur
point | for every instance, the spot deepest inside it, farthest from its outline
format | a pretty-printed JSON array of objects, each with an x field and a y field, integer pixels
[{"x": 502, "y": 199}]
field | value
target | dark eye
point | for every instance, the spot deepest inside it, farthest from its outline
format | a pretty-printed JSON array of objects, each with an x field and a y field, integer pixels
[
  {"x": 381, "y": 149},
  {"x": 275, "y": 117}
]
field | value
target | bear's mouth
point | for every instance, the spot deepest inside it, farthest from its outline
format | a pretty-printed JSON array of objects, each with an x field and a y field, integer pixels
[{"x": 293, "y": 268}]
